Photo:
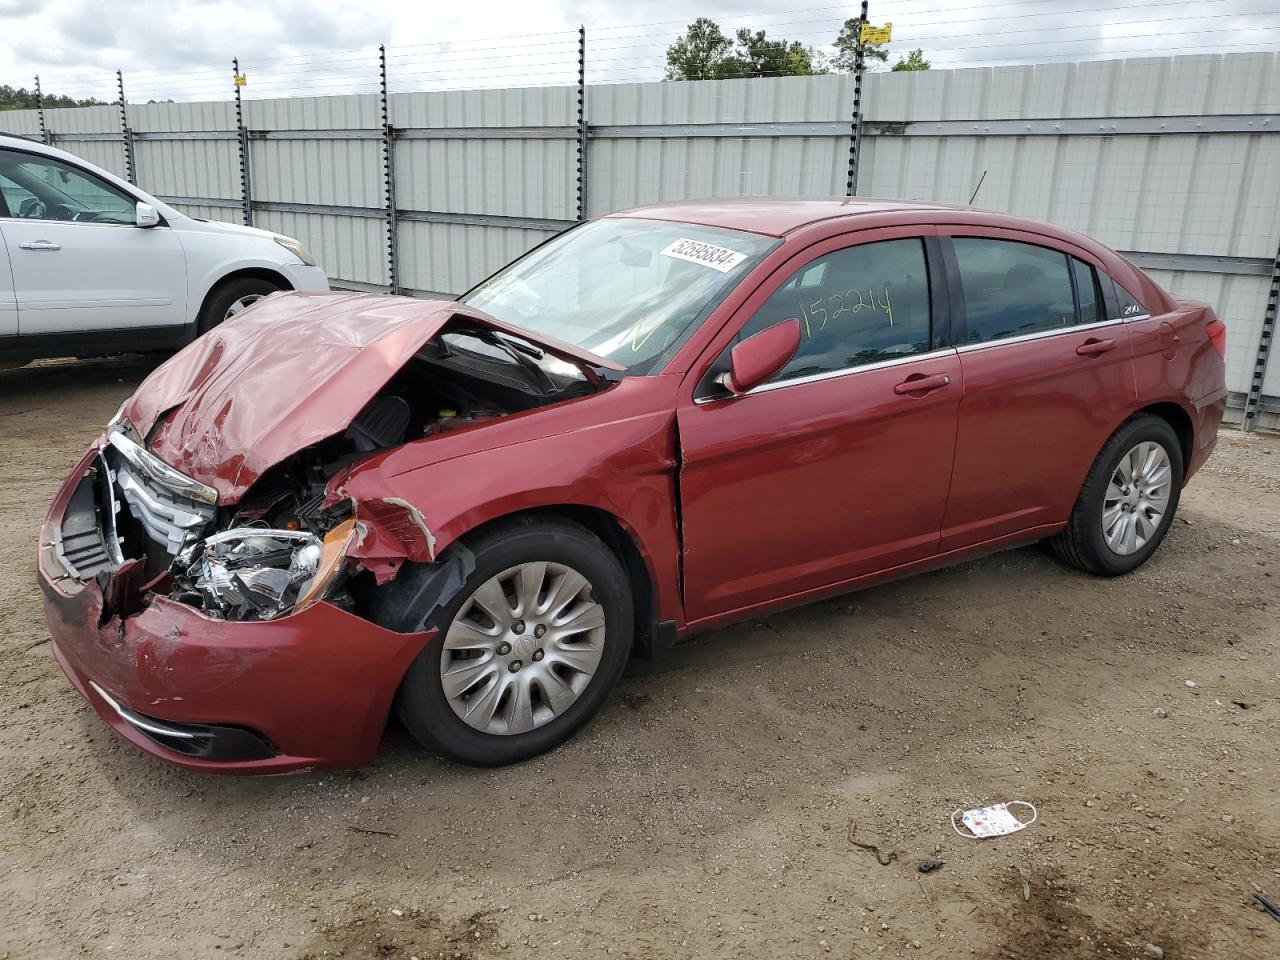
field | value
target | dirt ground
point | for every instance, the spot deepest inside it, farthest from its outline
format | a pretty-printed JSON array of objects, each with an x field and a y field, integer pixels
[{"x": 707, "y": 811}]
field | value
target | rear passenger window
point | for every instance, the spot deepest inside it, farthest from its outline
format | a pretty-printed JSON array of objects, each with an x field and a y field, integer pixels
[
  {"x": 856, "y": 306},
  {"x": 1012, "y": 289},
  {"x": 1128, "y": 304},
  {"x": 1087, "y": 292}
]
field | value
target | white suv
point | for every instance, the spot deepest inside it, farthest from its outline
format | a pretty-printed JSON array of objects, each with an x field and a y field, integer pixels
[{"x": 91, "y": 265}]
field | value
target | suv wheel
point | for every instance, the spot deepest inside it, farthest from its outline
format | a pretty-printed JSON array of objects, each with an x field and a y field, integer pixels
[
  {"x": 231, "y": 298},
  {"x": 1128, "y": 500}
]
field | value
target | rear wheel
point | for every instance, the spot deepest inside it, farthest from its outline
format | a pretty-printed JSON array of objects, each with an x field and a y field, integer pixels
[
  {"x": 1128, "y": 500},
  {"x": 233, "y": 297},
  {"x": 528, "y": 647}
]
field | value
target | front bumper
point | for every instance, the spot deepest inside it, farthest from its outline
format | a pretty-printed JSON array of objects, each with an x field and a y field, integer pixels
[
  {"x": 303, "y": 277},
  {"x": 312, "y": 689}
]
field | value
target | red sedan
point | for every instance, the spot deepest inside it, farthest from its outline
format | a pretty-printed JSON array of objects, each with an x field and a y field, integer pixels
[{"x": 473, "y": 512}]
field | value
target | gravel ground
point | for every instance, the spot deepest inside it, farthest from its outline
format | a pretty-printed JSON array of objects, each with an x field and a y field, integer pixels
[{"x": 708, "y": 811}]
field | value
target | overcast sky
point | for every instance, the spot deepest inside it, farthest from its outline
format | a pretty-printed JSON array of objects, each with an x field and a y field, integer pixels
[{"x": 181, "y": 49}]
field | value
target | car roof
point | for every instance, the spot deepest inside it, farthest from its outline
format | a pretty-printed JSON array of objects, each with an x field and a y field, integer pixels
[{"x": 778, "y": 216}]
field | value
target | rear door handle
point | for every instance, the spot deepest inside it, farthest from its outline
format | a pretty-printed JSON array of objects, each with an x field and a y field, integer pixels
[
  {"x": 919, "y": 383},
  {"x": 40, "y": 245},
  {"x": 1093, "y": 348}
]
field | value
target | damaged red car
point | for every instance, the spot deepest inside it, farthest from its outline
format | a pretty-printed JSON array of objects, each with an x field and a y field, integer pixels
[{"x": 471, "y": 513}]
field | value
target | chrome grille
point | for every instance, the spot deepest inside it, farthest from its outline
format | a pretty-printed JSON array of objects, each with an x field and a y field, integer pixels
[{"x": 171, "y": 507}]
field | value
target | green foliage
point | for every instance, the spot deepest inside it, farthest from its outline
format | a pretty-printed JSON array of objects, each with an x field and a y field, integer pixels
[
  {"x": 913, "y": 61},
  {"x": 20, "y": 98},
  {"x": 705, "y": 53},
  {"x": 847, "y": 49}
]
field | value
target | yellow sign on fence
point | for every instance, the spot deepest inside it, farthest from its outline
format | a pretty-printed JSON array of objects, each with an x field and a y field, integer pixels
[
  {"x": 241, "y": 79},
  {"x": 874, "y": 36}
]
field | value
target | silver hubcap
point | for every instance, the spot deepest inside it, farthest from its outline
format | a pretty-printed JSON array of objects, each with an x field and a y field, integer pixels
[
  {"x": 1137, "y": 498},
  {"x": 523, "y": 648},
  {"x": 244, "y": 303}
]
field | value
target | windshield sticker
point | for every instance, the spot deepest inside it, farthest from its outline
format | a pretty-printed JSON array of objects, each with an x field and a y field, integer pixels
[{"x": 706, "y": 254}]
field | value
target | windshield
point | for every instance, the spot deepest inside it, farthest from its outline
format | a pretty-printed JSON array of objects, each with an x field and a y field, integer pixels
[{"x": 623, "y": 288}]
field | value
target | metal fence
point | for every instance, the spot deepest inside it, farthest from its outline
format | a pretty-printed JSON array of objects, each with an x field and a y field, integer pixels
[{"x": 1173, "y": 160}]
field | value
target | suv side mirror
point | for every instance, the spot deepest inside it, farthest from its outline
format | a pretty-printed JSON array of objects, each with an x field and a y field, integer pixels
[
  {"x": 760, "y": 356},
  {"x": 146, "y": 215}
]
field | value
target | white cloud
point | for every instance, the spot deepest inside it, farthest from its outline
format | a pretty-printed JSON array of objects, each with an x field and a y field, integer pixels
[{"x": 182, "y": 49}]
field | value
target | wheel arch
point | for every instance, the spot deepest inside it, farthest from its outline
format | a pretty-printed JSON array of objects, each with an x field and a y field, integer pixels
[
  {"x": 1181, "y": 422},
  {"x": 244, "y": 273},
  {"x": 621, "y": 541}
]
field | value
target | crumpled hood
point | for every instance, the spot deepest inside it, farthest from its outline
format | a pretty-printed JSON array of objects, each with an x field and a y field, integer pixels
[{"x": 293, "y": 370}]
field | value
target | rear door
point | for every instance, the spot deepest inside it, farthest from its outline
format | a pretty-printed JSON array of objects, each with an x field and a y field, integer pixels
[
  {"x": 79, "y": 263},
  {"x": 836, "y": 468},
  {"x": 1047, "y": 377}
]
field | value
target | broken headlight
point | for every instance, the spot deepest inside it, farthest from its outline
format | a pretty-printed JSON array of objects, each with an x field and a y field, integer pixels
[{"x": 257, "y": 573}]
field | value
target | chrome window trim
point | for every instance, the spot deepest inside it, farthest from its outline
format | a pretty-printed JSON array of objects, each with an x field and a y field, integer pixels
[
  {"x": 834, "y": 374},
  {"x": 1135, "y": 317},
  {"x": 80, "y": 223},
  {"x": 1039, "y": 335}
]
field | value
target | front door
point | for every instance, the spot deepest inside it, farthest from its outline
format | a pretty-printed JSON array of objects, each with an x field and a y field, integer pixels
[
  {"x": 80, "y": 265},
  {"x": 8, "y": 301},
  {"x": 839, "y": 466}
]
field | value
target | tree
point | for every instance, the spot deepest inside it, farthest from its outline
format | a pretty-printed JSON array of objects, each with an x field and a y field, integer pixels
[
  {"x": 699, "y": 53},
  {"x": 705, "y": 53},
  {"x": 847, "y": 48},
  {"x": 20, "y": 98},
  {"x": 913, "y": 61}
]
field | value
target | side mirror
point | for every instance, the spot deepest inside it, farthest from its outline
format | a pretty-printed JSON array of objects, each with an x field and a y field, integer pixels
[
  {"x": 760, "y": 356},
  {"x": 146, "y": 215}
]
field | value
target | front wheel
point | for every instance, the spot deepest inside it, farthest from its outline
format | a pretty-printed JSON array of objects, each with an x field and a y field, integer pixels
[
  {"x": 1128, "y": 500},
  {"x": 232, "y": 297},
  {"x": 528, "y": 646}
]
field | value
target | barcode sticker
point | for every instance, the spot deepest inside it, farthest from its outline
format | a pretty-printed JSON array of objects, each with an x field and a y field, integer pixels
[{"x": 705, "y": 254}]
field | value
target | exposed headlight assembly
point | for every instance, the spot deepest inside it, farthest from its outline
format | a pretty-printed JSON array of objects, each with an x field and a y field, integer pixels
[
  {"x": 257, "y": 573},
  {"x": 297, "y": 249}
]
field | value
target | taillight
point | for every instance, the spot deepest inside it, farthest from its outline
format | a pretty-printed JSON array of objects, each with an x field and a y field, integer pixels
[{"x": 1217, "y": 331}]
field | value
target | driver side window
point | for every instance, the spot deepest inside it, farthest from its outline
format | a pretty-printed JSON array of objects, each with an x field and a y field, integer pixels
[
  {"x": 856, "y": 306},
  {"x": 42, "y": 188}
]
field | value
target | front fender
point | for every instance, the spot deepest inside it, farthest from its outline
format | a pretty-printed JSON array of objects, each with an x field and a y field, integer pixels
[{"x": 625, "y": 468}]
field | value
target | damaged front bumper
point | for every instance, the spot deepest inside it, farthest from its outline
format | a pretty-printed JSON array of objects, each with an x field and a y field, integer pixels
[{"x": 310, "y": 689}]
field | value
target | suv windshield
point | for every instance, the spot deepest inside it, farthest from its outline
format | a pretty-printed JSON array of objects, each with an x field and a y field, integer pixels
[{"x": 623, "y": 288}]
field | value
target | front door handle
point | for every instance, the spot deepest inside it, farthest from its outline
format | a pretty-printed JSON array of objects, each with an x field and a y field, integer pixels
[
  {"x": 1093, "y": 348},
  {"x": 40, "y": 245},
  {"x": 919, "y": 383}
]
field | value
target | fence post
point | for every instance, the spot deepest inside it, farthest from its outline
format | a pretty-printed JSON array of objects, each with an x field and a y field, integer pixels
[
  {"x": 242, "y": 139},
  {"x": 855, "y": 130},
  {"x": 1253, "y": 400},
  {"x": 126, "y": 134},
  {"x": 44, "y": 131},
  {"x": 389, "y": 175},
  {"x": 582, "y": 123}
]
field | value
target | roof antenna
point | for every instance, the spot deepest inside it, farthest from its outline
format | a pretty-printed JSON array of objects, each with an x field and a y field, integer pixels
[{"x": 978, "y": 187}]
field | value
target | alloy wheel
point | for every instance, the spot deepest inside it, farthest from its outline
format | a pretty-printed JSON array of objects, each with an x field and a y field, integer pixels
[
  {"x": 522, "y": 648},
  {"x": 1137, "y": 498},
  {"x": 239, "y": 306}
]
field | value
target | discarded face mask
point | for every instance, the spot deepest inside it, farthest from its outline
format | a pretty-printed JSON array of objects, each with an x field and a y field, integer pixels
[{"x": 992, "y": 821}]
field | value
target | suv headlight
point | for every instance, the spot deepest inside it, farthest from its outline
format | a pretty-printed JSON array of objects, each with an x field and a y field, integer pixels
[{"x": 297, "y": 249}]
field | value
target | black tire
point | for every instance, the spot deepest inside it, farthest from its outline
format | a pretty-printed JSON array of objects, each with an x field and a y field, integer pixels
[
  {"x": 220, "y": 299},
  {"x": 1083, "y": 544},
  {"x": 431, "y": 596}
]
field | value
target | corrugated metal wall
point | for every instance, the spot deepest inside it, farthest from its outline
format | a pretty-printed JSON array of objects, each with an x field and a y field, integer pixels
[{"x": 1124, "y": 150}]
